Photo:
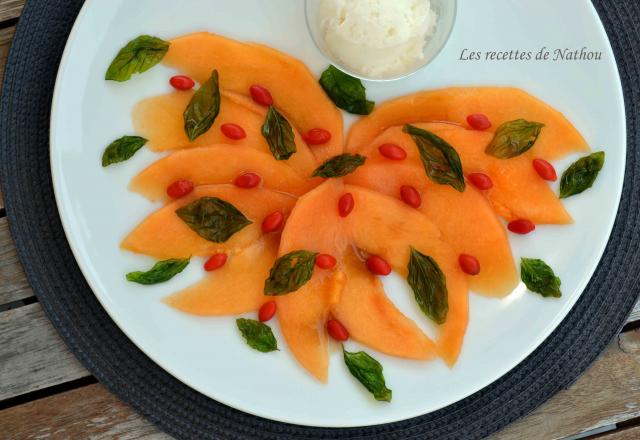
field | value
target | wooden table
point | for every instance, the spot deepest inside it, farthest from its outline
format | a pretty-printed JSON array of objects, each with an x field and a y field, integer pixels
[{"x": 46, "y": 393}]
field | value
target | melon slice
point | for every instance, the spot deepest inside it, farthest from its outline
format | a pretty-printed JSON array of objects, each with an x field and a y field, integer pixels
[
  {"x": 385, "y": 226},
  {"x": 501, "y": 104},
  {"x": 216, "y": 165},
  {"x": 159, "y": 119},
  {"x": 294, "y": 88},
  {"x": 373, "y": 320},
  {"x": 235, "y": 288},
  {"x": 164, "y": 235},
  {"x": 466, "y": 220},
  {"x": 518, "y": 191}
]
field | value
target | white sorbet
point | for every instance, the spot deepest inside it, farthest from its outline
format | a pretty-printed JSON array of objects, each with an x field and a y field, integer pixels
[{"x": 377, "y": 38}]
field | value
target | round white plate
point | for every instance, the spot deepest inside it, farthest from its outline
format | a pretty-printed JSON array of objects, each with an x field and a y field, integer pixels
[{"x": 208, "y": 354}]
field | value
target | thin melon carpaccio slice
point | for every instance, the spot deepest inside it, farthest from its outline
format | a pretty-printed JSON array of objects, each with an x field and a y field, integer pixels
[
  {"x": 385, "y": 226},
  {"x": 501, "y": 104},
  {"x": 159, "y": 119},
  {"x": 466, "y": 221},
  {"x": 235, "y": 288},
  {"x": 294, "y": 88},
  {"x": 518, "y": 191},
  {"x": 218, "y": 164},
  {"x": 373, "y": 320},
  {"x": 164, "y": 235}
]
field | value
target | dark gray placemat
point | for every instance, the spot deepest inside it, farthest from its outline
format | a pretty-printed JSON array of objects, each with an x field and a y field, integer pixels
[{"x": 184, "y": 413}]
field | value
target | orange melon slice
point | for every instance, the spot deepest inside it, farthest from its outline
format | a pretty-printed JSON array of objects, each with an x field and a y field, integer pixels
[
  {"x": 215, "y": 165},
  {"x": 235, "y": 288},
  {"x": 384, "y": 226},
  {"x": 164, "y": 235},
  {"x": 373, "y": 320},
  {"x": 518, "y": 191},
  {"x": 466, "y": 220},
  {"x": 501, "y": 104},
  {"x": 294, "y": 88},
  {"x": 159, "y": 119}
]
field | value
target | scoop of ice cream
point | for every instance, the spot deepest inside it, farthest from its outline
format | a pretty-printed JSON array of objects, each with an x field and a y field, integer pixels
[{"x": 377, "y": 38}]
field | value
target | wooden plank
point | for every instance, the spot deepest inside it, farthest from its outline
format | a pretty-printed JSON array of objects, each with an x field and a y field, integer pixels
[
  {"x": 632, "y": 433},
  {"x": 13, "y": 282},
  {"x": 88, "y": 412},
  {"x": 10, "y": 9},
  {"x": 32, "y": 355},
  {"x": 6, "y": 35},
  {"x": 608, "y": 393}
]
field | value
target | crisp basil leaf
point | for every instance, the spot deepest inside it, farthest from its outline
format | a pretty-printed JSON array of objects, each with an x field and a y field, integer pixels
[
  {"x": 162, "y": 271},
  {"x": 581, "y": 174},
  {"x": 203, "y": 108},
  {"x": 539, "y": 277},
  {"x": 429, "y": 286},
  {"x": 368, "y": 371},
  {"x": 122, "y": 149},
  {"x": 279, "y": 135},
  {"x": 339, "y": 166},
  {"x": 345, "y": 91},
  {"x": 441, "y": 161},
  {"x": 139, "y": 55},
  {"x": 213, "y": 219},
  {"x": 514, "y": 138},
  {"x": 290, "y": 272},
  {"x": 257, "y": 334}
]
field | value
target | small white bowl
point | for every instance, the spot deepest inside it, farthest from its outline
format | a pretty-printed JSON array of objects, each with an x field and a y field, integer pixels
[{"x": 446, "y": 11}]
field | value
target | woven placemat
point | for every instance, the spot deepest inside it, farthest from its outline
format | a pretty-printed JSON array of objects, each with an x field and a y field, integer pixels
[{"x": 126, "y": 371}]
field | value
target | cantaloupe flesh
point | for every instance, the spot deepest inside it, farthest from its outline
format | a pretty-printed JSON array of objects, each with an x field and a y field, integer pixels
[
  {"x": 373, "y": 320},
  {"x": 235, "y": 288},
  {"x": 501, "y": 104},
  {"x": 159, "y": 119},
  {"x": 218, "y": 164},
  {"x": 164, "y": 235},
  {"x": 294, "y": 88},
  {"x": 385, "y": 226},
  {"x": 518, "y": 191},
  {"x": 466, "y": 220}
]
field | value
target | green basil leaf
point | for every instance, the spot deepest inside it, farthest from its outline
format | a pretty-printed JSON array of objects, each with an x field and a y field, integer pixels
[
  {"x": 539, "y": 277},
  {"x": 257, "y": 334},
  {"x": 139, "y": 55},
  {"x": 441, "y": 161},
  {"x": 203, "y": 108},
  {"x": 368, "y": 371},
  {"x": 122, "y": 149},
  {"x": 345, "y": 91},
  {"x": 290, "y": 272},
  {"x": 213, "y": 219},
  {"x": 161, "y": 271},
  {"x": 340, "y": 166},
  {"x": 279, "y": 135},
  {"x": 514, "y": 138},
  {"x": 429, "y": 286},
  {"x": 581, "y": 174}
]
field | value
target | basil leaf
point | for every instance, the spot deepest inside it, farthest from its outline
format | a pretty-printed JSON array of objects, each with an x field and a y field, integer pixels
[
  {"x": 339, "y": 166},
  {"x": 213, "y": 219},
  {"x": 514, "y": 138},
  {"x": 581, "y": 174},
  {"x": 257, "y": 334},
  {"x": 279, "y": 135},
  {"x": 429, "y": 286},
  {"x": 161, "y": 271},
  {"x": 290, "y": 272},
  {"x": 345, "y": 91},
  {"x": 203, "y": 108},
  {"x": 138, "y": 56},
  {"x": 368, "y": 371},
  {"x": 122, "y": 149},
  {"x": 539, "y": 277},
  {"x": 441, "y": 161}
]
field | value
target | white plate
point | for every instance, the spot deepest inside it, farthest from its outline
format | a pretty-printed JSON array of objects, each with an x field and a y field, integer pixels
[{"x": 208, "y": 354}]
